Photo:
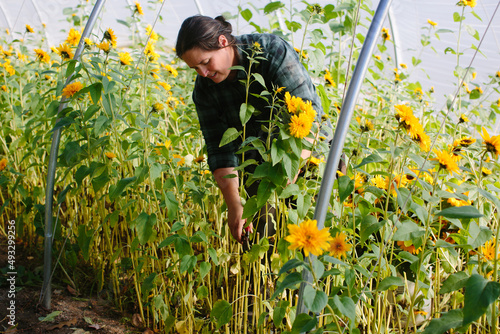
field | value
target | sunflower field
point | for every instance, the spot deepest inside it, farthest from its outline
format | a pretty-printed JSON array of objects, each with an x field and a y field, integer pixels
[{"x": 411, "y": 238}]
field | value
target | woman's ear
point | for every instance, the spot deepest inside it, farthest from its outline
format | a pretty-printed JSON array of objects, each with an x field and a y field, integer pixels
[{"x": 223, "y": 42}]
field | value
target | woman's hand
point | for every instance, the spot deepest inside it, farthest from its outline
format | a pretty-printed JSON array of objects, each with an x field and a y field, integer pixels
[
  {"x": 236, "y": 224},
  {"x": 230, "y": 190}
]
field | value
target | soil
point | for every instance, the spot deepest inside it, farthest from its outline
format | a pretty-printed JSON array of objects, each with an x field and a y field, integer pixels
[{"x": 77, "y": 314}]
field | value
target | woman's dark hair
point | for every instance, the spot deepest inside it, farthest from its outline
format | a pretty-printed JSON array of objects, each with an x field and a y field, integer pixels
[{"x": 203, "y": 32}]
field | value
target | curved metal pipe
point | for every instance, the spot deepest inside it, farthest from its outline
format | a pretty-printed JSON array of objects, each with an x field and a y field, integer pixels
[
  {"x": 46, "y": 293},
  {"x": 341, "y": 129}
]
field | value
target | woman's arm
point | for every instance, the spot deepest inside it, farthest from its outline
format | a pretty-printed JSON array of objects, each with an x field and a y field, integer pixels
[{"x": 230, "y": 190}]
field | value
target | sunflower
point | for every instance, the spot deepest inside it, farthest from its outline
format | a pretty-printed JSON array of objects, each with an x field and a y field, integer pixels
[
  {"x": 463, "y": 119},
  {"x": 73, "y": 37},
  {"x": 385, "y": 34},
  {"x": 379, "y": 181},
  {"x": 446, "y": 161},
  {"x": 422, "y": 139},
  {"x": 42, "y": 56},
  {"x": 329, "y": 79},
  {"x": 153, "y": 36},
  {"x": 110, "y": 155},
  {"x": 488, "y": 250},
  {"x": 3, "y": 164},
  {"x": 292, "y": 102},
  {"x": 171, "y": 70},
  {"x": 165, "y": 85},
  {"x": 157, "y": 107},
  {"x": 29, "y": 29},
  {"x": 485, "y": 171},
  {"x": 4, "y": 88},
  {"x": 104, "y": 46},
  {"x": 315, "y": 161},
  {"x": 64, "y": 50},
  {"x": 125, "y": 58},
  {"x": 72, "y": 89},
  {"x": 492, "y": 143},
  {"x": 138, "y": 8},
  {"x": 470, "y": 3},
  {"x": 180, "y": 159},
  {"x": 300, "y": 125},
  {"x": 464, "y": 142},
  {"x": 307, "y": 237},
  {"x": 339, "y": 246},
  {"x": 110, "y": 36},
  {"x": 150, "y": 52},
  {"x": 458, "y": 202},
  {"x": 199, "y": 159},
  {"x": 409, "y": 247},
  {"x": 432, "y": 23},
  {"x": 88, "y": 42}
]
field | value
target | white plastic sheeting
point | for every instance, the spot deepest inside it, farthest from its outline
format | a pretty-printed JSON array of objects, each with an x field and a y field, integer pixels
[{"x": 409, "y": 18}]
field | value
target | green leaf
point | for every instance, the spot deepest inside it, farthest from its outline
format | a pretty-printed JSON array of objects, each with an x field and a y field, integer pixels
[
  {"x": 50, "y": 317},
  {"x": 202, "y": 292},
  {"x": 457, "y": 17},
  {"x": 370, "y": 159},
  {"x": 144, "y": 224},
  {"x": 95, "y": 91},
  {"x": 448, "y": 320},
  {"x": 187, "y": 263},
  {"x": 369, "y": 225},
  {"x": 229, "y": 135},
  {"x": 408, "y": 230},
  {"x": 273, "y": 6},
  {"x": 246, "y": 14},
  {"x": 290, "y": 281},
  {"x": 479, "y": 294},
  {"x": 467, "y": 211},
  {"x": 213, "y": 255},
  {"x": 116, "y": 190},
  {"x": 259, "y": 79},
  {"x": 291, "y": 190},
  {"x": 147, "y": 285},
  {"x": 314, "y": 300},
  {"x": 280, "y": 312},
  {"x": 250, "y": 208},
  {"x": 155, "y": 171},
  {"x": 336, "y": 26},
  {"x": 246, "y": 111},
  {"x": 346, "y": 187},
  {"x": 346, "y": 306},
  {"x": 390, "y": 282},
  {"x": 221, "y": 313},
  {"x": 304, "y": 323},
  {"x": 289, "y": 265},
  {"x": 454, "y": 282},
  {"x": 265, "y": 190}
]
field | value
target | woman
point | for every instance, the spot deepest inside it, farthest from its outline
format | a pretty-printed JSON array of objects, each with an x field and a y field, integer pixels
[{"x": 208, "y": 46}]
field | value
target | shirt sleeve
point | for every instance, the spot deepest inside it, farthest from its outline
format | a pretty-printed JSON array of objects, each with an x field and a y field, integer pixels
[
  {"x": 287, "y": 71},
  {"x": 213, "y": 127}
]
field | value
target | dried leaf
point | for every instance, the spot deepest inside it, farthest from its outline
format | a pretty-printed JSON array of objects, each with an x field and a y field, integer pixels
[
  {"x": 182, "y": 327},
  {"x": 137, "y": 320},
  {"x": 148, "y": 331},
  {"x": 72, "y": 291},
  {"x": 69, "y": 323}
]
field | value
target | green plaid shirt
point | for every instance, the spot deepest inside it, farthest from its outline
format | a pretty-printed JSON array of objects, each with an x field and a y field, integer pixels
[{"x": 218, "y": 105}]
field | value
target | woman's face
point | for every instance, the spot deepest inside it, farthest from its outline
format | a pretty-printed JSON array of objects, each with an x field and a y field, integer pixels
[{"x": 212, "y": 64}]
